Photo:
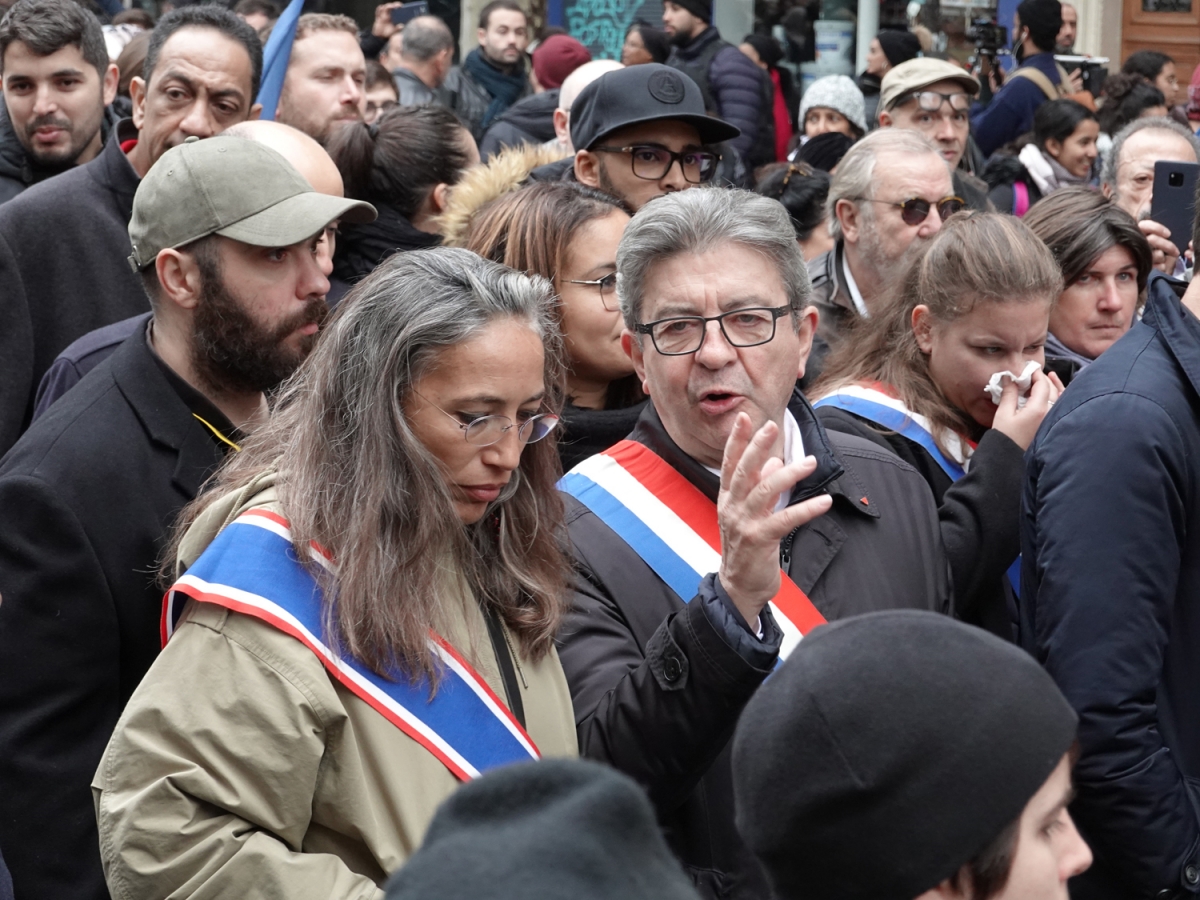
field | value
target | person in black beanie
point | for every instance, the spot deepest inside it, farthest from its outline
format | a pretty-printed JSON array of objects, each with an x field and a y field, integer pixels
[
  {"x": 887, "y": 50},
  {"x": 825, "y": 151},
  {"x": 901, "y": 755},
  {"x": 555, "y": 830}
]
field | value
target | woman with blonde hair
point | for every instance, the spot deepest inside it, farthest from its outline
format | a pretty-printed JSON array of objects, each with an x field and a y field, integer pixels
[
  {"x": 568, "y": 234},
  {"x": 912, "y": 378},
  {"x": 367, "y": 616}
]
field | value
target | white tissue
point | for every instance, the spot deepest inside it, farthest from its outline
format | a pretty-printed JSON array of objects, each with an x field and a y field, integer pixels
[{"x": 995, "y": 385}]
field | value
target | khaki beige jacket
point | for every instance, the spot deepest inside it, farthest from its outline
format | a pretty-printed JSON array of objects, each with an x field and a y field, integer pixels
[{"x": 241, "y": 769}]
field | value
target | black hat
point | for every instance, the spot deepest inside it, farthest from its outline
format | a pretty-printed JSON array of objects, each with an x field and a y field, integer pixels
[
  {"x": 636, "y": 94},
  {"x": 555, "y": 830},
  {"x": 1043, "y": 18},
  {"x": 825, "y": 150},
  {"x": 701, "y": 9},
  {"x": 898, "y": 46},
  {"x": 890, "y": 750}
]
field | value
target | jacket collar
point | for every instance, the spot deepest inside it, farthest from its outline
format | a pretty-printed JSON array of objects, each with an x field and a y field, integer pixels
[
  {"x": 1178, "y": 326},
  {"x": 830, "y": 474},
  {"x": 164, "y": 415},
  {"x": 699, "y": 43},
  {"x": 834, "y": 260},
  {"x": 113, "y": 171}
]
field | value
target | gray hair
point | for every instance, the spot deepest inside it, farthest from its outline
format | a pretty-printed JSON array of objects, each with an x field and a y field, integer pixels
[
  {"x": 697, "y": 220},
  {"x": 854, "y": 178},
  {"x": 354, "y": 477},
  {"x": 424, "y": 38},
  {"x": 1108, "y": 174}
]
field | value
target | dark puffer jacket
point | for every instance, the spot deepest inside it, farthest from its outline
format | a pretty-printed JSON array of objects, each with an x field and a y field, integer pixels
[
  {"x": 735, "y": 85},
  {"x": 1110, "y": 537},
  {"x": 658, "y": 683}
]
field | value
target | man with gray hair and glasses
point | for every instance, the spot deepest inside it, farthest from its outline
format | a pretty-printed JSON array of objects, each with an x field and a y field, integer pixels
[
  {"x": 890, "y": 194},
  {"x": 728, "y": 524},
  {"x": 1128, "y": 178},
  {"x": 419, "y": 58}
]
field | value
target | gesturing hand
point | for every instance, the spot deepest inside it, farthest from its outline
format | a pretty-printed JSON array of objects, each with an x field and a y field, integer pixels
[{"x": 751, "y": 482}]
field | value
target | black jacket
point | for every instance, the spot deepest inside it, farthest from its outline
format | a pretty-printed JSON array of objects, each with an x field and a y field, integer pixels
[
  {"x": 586, "y": 432},
  {"x": 980, "y": 515},
  {"x": 64, "y": 245},
  {"x": 528, "y": 121},
  {"x": 1110, "y": 537},
  {"x": 88, "y": 495},
  {"x": 360, "y": 248},
  {"x": 17, "y": 170},
  {"x": 658, "y": 683}
]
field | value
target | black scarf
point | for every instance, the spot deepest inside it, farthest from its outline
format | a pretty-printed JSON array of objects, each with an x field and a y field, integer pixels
[
  {"x": 360, "y": 248},
  {"x": 504, "y": 88}
]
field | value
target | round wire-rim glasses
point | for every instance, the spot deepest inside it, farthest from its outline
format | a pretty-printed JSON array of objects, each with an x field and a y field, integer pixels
[
  {"x": 488, "y": 430},
  {"x": 607, "y": 286}
]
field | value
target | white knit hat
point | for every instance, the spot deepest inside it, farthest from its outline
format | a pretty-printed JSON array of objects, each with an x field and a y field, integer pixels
[{"x": 836, "y": 92}]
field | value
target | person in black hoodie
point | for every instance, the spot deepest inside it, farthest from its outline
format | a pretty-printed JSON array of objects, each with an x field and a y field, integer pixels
[
  {"x": 404, "y": 165},
  {"x": 58, "y": 84},
  {"x": 911, "y": 378},
  {"x": 568, "y": 234}
]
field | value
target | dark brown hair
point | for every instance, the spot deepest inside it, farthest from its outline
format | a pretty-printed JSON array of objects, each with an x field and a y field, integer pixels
[
  {"x": 46, "y": 26},
  {"x": 976, "y": 258}
]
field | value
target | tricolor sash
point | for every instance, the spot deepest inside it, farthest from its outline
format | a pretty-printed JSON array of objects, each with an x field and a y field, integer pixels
[
  {"x": 890, "y": 413},
  {"x": 672, "y": 526},
  {"x": 251, "y": 568}
]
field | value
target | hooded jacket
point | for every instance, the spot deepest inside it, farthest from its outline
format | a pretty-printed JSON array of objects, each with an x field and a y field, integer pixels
[
  {"x": 528, "y": 121},
  {"x": 17, "y": 170},
  {"x": 1109, "y": 586},
  {"x": 658, "y": 683}
]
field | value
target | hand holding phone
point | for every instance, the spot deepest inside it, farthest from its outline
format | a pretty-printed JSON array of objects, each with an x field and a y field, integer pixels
[
  {"x": 402, "y": 15},
  {"x": 1174, "y": 203}
]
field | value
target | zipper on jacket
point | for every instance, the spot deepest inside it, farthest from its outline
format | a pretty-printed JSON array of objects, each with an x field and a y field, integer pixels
[{"x": 785, "y": 549}]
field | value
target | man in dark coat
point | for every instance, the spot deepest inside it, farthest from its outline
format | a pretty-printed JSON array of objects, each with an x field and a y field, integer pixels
[
  {"x": 494, "y": 75},
  {"x": 90, "y": 491},
  {"x": 661, "y": 657},
  {"x": 419, "y": 59},
  {"x": 734, "y": 88},
  {"x": 1109, "y": 584},
  {"x": 64, "y": 243},
  {"x": 58, "y": 84}
]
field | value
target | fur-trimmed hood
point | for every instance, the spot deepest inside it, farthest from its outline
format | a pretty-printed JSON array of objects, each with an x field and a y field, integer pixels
[{"x": 504, "y": 172}]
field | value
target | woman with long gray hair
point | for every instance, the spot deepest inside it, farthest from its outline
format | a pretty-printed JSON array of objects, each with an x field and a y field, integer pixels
[{"x": 367, "y": 614}]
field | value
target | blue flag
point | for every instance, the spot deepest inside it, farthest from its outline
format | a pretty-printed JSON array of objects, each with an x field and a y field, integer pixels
[{"x": 275, "y": 58}]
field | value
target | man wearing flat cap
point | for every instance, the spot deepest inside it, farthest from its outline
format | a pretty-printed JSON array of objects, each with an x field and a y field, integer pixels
[
  {"x": 934, "y": 97},
  {"x": 225, "y": 236},
  {"x": 902, "y": 755},
  {"x": 639, "y": 133}
]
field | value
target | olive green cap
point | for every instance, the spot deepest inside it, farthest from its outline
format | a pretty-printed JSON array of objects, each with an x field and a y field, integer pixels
[{"x": 233, "y": 187}]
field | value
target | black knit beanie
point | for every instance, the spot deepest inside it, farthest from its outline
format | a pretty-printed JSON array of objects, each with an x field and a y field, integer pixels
[
  {"x": 555, "y": 830},
  {"x": 1043, "y": 18},
  {"x": 898, "y": 46},
  {"x": 825, "y": 150},
  {"x": 889, "y": 751},
  {"x": 701, "y": 9}
]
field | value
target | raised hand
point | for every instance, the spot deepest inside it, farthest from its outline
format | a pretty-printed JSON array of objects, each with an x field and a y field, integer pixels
[
  {"x": 1021, "y": 424},
  {"x": 751, "y": 481}
]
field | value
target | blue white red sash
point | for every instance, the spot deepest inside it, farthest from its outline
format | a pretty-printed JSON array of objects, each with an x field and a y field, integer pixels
[
  {"x": 250, "y": 567},
  {"x": 672, "y": 526},
  {"x": 890, "y": 413},
  {"x": 887, "y": 411}
]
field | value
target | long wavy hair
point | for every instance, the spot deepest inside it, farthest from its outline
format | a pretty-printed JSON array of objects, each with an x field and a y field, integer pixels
[
  {"x": 976, "y": 258},
  {"x": 353, "y": 476}
]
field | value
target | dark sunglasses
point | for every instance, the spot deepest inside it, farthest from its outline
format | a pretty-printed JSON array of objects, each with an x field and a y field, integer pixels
[{"x": 915, "y": 210}]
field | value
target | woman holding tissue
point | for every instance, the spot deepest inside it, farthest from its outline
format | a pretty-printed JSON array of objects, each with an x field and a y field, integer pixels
[{"x": 972, "y": 311}]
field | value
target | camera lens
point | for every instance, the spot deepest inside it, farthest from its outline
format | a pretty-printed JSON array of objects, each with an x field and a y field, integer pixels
[{"x": 1175, "y": 179}]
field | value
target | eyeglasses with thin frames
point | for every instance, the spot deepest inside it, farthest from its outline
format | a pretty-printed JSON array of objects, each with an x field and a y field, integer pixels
[
  {"x": 607, "y": 286},
  {"x": 683, "y": 335},
  {"x": 915, "y": 210},
  {"x": 487, "y": 430}
]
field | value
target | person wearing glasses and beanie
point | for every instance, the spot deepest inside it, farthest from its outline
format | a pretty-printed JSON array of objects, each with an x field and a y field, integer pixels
[
  {"x": 363, "y": 606},
  {"x": 911, "y": 378},
  {"x": 641, "y": 132},
  {"x": 906, "y": 756},
  {"x": 891, "y": 193},
  {"x": 728, "y": 524}
]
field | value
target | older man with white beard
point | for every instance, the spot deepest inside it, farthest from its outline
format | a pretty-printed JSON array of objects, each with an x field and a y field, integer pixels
[{"x": 890, "y": 194}]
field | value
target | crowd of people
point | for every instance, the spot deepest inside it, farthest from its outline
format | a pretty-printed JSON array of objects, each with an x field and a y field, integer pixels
[{"x": 820, "y": 466}]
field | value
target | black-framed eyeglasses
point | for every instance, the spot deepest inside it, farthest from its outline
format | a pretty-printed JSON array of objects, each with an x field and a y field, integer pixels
[
  {"x": 915, "y": 210},
  {"x": 607, "y": 287},
  {"x": 931, "y": 101},
  {"x": 488, "y": 430},
  {"x": 681, "y": 335},
  {"x": 653, "y": 163}
]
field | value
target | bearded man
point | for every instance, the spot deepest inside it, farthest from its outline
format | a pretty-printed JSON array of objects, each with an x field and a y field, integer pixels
[{"x": 226, "y": 236}]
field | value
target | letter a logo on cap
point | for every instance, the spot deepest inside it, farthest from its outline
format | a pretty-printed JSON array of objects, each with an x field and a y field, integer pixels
[{"x": 666, "y": 87}]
